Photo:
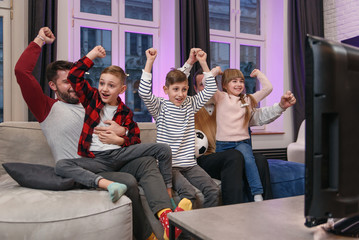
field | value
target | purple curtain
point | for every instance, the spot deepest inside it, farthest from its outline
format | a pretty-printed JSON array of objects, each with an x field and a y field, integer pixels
[
  {"x": 306, "y": 17},
  {"x": 194, "y": 31},
  {"x": 42, "y": 13}
]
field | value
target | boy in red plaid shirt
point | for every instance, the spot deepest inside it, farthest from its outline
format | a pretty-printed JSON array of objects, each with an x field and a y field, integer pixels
[{"x": 108, "y": 151}]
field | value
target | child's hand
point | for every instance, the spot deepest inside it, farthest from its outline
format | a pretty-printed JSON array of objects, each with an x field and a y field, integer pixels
[
  {"x": 201, "y": 56},
  {"x": 110, "y": 137},
  {"x": 97, "y": 52},
  {"x": 287, "y": 100},
  {"x": 255, "y": 73},
  {"x": 192, "y": 55},
  {"x": 216, "y": 71},
  {"x": 151, "y": 54}
]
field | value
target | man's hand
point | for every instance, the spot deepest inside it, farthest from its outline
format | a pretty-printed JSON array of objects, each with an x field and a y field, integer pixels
[
  {"x": 110, "y": 137},
  {"x": 151, "y": 54},
  {"x": 112, "y": 126},
  {"x": 192, "y": 55},
  {"x": 201, "y": 56},
  {"x": 45, "y": 35},
  {"x": 287, "y": 100},
  {"x": 97, "y": 52}
]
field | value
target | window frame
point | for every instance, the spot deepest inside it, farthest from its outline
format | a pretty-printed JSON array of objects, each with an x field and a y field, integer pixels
[
  {"x": 112, "y": 18},
  {"x": 130, "y": 21},
  {"x": 156, "y": 87},
  {"x": 232, "y": 47}
]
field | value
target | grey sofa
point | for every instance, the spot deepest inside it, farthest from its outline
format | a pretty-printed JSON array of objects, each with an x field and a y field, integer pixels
[{"x": 42, "y": 214}]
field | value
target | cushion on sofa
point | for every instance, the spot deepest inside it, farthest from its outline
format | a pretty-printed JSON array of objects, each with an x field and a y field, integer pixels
[{"x": 37, "y": 176}]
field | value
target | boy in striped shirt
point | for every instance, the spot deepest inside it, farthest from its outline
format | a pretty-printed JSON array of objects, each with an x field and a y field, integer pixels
[{"x": 175, "y": 124}]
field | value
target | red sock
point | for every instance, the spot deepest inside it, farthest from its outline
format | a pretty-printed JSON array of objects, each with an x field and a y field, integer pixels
[{"x": 165, "y": 224}]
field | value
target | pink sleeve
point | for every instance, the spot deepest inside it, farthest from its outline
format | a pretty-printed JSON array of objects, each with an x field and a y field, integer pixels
[{"x": 38, "y": 103}]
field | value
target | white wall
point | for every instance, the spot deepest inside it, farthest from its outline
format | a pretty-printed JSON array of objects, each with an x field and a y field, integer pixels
[{"x": 341, "y": 19}]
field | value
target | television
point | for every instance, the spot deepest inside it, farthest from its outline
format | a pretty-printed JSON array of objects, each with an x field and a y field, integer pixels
[{"x": 332, "y": 132}]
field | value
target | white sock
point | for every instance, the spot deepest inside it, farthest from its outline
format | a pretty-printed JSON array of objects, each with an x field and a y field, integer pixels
[{"x": 258, "y": 198}]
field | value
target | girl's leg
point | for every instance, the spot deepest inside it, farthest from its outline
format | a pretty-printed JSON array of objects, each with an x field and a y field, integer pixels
[{"x": 250, "y": 168}]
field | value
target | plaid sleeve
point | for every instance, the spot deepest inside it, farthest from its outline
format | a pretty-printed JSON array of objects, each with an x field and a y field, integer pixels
[
  {"x": 133, "y": 136},
  {"x": 82, "y": 87}
]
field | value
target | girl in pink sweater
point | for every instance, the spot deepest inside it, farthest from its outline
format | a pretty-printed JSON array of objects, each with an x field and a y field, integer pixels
[{"x": 234, "y": 110}]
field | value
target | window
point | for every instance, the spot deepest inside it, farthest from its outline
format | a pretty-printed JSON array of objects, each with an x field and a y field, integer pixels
[
  {"x": 237, "y": 37},
  {"x": 126, "y": 29}
]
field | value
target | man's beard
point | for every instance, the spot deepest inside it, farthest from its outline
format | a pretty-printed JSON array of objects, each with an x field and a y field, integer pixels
[{"x": 65, "y": 96}]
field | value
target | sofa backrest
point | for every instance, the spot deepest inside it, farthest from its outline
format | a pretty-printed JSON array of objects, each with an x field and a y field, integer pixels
[{"x": 25, "y": 142}]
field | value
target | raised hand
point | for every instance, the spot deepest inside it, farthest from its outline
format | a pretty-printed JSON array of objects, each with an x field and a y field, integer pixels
[
  {"x": 201, "y": 56},
  {"x": 216, "y": 71},
  {"x": 287, "y": 100},
  {"x": 192, "y": 55},
  {"x": 45, "y": 35},
  {"x": 151, "y": 54},
  {"x": 97, "y": 52},
  {"x": 255, "y": 73}
]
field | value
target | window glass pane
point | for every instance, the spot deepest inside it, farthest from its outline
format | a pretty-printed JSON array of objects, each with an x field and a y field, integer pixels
[
  {"x": 135, "y": 60},
  {"x": 250, "y": 59},
  {"x": 250, "y": 17},
  {"x": 1, "y": 70},
  {"x": 139, "y": 9},
  {"x": 219, "y": 14},
  {"x": 90, "y": 38},
  {"x": 220, "y": 56},
  {"x": 101, "y": 7}
]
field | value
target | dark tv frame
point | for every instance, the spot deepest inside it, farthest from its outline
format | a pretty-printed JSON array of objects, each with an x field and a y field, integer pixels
[{"x": 332, "y": 130}]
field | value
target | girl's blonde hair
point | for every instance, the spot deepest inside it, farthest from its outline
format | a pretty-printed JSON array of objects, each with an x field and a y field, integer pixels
[{"x": 230, "y": 74}]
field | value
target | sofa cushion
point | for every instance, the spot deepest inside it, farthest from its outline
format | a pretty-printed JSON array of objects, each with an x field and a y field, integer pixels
[
  {"x": 37, "y": 176},
  {"x": 74, "y": 214}
]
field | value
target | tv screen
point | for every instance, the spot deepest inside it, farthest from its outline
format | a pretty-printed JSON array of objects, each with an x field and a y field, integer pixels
[{"x": 332, "y": 130}]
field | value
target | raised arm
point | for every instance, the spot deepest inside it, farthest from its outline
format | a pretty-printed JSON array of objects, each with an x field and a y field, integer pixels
[
  {"x": 38, "y": 103},
  {"x": 82, "y": 87},
  {"x": 210, "y": 83},
  {"x": 145, "y": 89},
  {"x": 266, "y": 86},
  {"x": 265, "y": 115}
]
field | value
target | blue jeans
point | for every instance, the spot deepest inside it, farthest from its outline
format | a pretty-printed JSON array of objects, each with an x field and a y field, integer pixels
[{"x": 250, "y": 166}]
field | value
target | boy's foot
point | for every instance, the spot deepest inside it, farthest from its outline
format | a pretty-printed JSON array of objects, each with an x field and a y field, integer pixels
[
  {"x": 164, "y": 221},
  {"x": 184, "y": 205},
  {"x": 116, "y": 190}
]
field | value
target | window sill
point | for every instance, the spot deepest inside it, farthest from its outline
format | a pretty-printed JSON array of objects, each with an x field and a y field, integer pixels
[{"x": 263, "y": 132}]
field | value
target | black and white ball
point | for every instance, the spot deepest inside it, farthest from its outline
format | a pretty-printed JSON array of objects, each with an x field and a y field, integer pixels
[{"x": 201, "y": 143}]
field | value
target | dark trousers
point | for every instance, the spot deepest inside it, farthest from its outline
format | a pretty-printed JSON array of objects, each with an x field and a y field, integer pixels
[
  {"x": 228, "y": 166},
  {"x": 143, "y": 171}
]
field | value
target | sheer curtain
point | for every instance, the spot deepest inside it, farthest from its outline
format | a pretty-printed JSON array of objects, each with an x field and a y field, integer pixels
[
  {"x": 306, "y": 17},
  {"x": 194, "y": 31}
]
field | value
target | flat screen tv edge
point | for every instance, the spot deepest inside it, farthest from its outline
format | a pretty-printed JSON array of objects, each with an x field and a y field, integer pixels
[{"x": 332, "y": 134}]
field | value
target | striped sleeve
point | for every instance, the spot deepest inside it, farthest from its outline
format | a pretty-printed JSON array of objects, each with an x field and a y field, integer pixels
[
  {"x": 152, "y": 102},
  {"x": 200, "y": 99}
]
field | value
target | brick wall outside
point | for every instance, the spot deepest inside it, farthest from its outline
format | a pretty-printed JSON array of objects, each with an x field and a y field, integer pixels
[{"x": 341, "y": 19}]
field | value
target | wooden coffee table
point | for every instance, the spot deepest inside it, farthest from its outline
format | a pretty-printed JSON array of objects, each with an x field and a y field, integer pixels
[{"x": 272, "y": 219}]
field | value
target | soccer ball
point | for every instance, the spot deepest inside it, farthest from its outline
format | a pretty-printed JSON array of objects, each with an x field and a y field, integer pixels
[{"x": 201, "y": 143}]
